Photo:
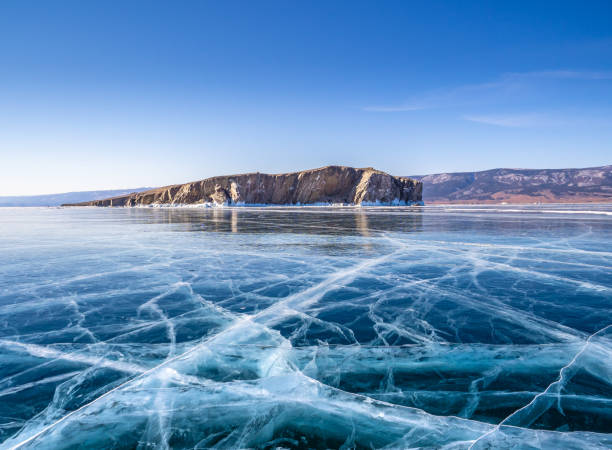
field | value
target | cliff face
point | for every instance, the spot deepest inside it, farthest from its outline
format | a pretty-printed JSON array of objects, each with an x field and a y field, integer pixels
[
  {"x": 332, "y": 184},
  {"x": 592, "y": 184}
]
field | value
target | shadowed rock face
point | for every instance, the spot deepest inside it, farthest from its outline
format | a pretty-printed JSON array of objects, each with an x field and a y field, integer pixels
[{"x": 332, "y": 184}]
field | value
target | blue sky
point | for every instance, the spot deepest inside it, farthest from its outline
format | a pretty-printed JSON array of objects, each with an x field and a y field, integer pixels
[{"x": 110, "y": 94}]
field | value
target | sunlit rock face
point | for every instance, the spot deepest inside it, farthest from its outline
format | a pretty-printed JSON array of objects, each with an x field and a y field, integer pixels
[
  {"x": 328, "y": 185},
  {"x": 306, "y": 328}
]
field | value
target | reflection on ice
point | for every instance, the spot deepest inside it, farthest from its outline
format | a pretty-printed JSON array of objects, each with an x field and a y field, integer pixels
[{"x": 305, "y": 328}]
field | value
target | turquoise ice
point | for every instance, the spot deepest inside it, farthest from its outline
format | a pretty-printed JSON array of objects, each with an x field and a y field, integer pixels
[{"x": 399, "y": 327}]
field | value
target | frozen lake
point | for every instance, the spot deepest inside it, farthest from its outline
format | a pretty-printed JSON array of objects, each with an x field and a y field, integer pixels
[{"x": 437, "y": 327}]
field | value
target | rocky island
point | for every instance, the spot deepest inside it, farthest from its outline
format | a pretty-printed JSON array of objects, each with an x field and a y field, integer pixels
[{"x": 326, "y": 185}]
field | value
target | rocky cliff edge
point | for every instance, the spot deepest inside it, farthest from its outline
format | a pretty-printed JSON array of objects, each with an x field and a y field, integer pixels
[{"x": 327, "y": 185}]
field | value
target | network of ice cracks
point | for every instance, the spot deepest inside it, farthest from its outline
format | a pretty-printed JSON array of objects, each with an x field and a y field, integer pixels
[{"x": 369, "y": 328}]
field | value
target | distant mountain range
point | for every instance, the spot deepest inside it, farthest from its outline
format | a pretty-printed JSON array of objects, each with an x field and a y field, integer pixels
[
  {"x": 593, "y": 184},
  {"x": 66, "y": 197}
]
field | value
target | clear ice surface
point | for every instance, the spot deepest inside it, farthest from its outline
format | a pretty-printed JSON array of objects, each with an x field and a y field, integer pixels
[{"x": 436, "y": 327}]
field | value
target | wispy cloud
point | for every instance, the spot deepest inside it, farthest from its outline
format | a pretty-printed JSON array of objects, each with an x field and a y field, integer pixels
[
  {"x": 398, "y": 108},
  {"x": 443, "y": 97},
  {"x": 538, "y": 120},
  {"x": 562, "y": 74},
  {"x": 517, "y": 120},
  {"x": 508, "y": 84}
]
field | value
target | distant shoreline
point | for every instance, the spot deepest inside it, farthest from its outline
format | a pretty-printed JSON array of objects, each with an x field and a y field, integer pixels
[{"x": 317, "y": 206}]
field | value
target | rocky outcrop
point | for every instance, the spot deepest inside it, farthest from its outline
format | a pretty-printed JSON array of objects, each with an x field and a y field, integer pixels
[
  {"x": 593, "y": 184},
  {"x": 327, "y": 185}
]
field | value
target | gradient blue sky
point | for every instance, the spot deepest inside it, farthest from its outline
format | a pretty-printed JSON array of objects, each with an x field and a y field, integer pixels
[{"x": 115, "y": 94}]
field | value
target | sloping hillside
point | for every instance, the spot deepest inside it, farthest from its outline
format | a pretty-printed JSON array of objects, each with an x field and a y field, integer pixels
[
  {"x": 65, "y": 197},
  {"x": 587, "y": 185}
]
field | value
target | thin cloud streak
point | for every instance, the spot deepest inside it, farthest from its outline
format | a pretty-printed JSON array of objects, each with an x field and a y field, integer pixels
[
  {"x": 564, "y": 74},
  {"x": 507, "y": 83},
  {"x": 536, "y": 120},
  {"x": 514, "y": 121},
  {"x": 444, "y": 97},
  {"x": 400, "y": 108}
]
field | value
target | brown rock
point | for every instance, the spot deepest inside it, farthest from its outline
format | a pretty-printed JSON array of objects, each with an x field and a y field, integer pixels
[{"x": 331, "y": 184}]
